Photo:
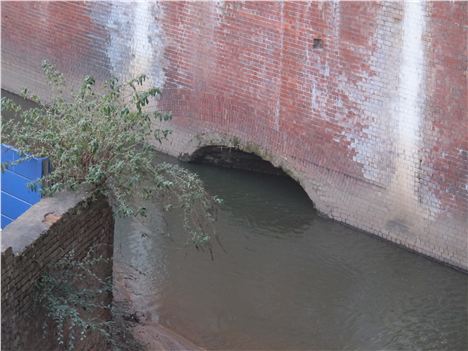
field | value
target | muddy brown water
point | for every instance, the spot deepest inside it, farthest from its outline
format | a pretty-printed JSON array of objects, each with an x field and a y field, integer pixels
[{"x": 287, "y": 278}]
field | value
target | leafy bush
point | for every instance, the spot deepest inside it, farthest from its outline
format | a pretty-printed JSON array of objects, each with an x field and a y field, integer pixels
[
  {"x": 97, "y": 139},
  {"x": 75, "y": 295}
]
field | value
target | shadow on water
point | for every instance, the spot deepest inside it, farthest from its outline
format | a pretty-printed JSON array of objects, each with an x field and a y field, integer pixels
[{"x": 272, "y": 211}]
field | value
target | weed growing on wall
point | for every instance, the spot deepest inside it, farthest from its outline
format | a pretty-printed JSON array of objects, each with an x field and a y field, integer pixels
[
  {"x": 75, "y": 295},
  {"x": 97, "y": 139}
]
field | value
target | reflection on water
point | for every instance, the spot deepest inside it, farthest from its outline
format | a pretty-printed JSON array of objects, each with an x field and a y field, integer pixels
[{"x": 289, "y": 279}]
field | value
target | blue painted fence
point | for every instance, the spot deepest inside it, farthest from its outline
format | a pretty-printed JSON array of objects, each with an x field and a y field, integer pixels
[{"x": 16, "y": 196}]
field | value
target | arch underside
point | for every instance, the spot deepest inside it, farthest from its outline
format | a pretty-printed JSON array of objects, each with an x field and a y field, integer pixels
[{"x": 231, "y": 157}]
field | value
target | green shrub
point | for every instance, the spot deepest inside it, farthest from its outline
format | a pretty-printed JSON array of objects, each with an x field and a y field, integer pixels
[
  {"x": 75, "y": 294},
  {"x": 98, "y": 139}
]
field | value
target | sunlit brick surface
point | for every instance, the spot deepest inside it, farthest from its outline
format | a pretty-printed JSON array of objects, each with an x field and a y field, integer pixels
[{"x": 363, "y": 103}]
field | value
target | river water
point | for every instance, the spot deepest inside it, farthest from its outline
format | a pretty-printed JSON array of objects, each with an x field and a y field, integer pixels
[{"x": 285, "y": 278}]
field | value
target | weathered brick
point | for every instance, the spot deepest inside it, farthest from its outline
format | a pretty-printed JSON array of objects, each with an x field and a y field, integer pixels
[{"x": 372, "y": 122}]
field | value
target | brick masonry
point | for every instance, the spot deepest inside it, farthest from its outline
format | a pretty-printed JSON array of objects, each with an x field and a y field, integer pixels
[
  {"x": 363, "y": 103},
  {"x": 33, "y": 242}
]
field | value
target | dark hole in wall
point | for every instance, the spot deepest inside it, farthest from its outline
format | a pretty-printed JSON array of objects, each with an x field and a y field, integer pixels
[
  {"x": 229, "y": 157},
  {"x": 318, "y": 43}
]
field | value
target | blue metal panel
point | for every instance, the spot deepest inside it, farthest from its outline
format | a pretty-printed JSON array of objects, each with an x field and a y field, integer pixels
[
  {"x": 31, "y": 169},
  {"x": 17, "y": 185},
  {"x": 16, "y": 196},
  {"x": 9, "y": 153},
  {"x": 13, "y": 207},
  {"x": 5, "y": 221}
]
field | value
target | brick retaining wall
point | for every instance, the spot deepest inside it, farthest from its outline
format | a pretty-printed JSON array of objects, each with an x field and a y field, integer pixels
[{"x": 30, "y": 244}]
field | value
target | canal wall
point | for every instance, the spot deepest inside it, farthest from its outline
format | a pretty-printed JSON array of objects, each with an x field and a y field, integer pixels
[
  {"x": 363, "y": 103},
  {"x": 63, "y": 225}
]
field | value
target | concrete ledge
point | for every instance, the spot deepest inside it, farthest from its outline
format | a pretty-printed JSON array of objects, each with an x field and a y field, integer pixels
[{"x": 34, "y": 222}]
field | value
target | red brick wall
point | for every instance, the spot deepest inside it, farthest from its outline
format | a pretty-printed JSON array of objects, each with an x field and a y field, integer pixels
[{"x": 373, "y": 124}]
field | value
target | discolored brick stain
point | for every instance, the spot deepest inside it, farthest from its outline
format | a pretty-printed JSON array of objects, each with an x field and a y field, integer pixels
[
  {"x": 371, "y": 119},
  {"x": 51, "y": 218}
]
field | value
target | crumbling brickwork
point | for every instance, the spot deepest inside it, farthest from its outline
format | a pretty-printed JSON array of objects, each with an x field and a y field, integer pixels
[{"x": 363, "y": 103}]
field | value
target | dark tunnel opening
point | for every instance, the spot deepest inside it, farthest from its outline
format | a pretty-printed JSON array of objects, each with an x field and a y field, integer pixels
[{"x": 229, "y": 157}]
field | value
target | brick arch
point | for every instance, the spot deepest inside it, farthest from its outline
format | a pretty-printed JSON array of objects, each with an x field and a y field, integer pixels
[
  {"x": 189, "y": 146},
  {"x": 234, "y": 158}
]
